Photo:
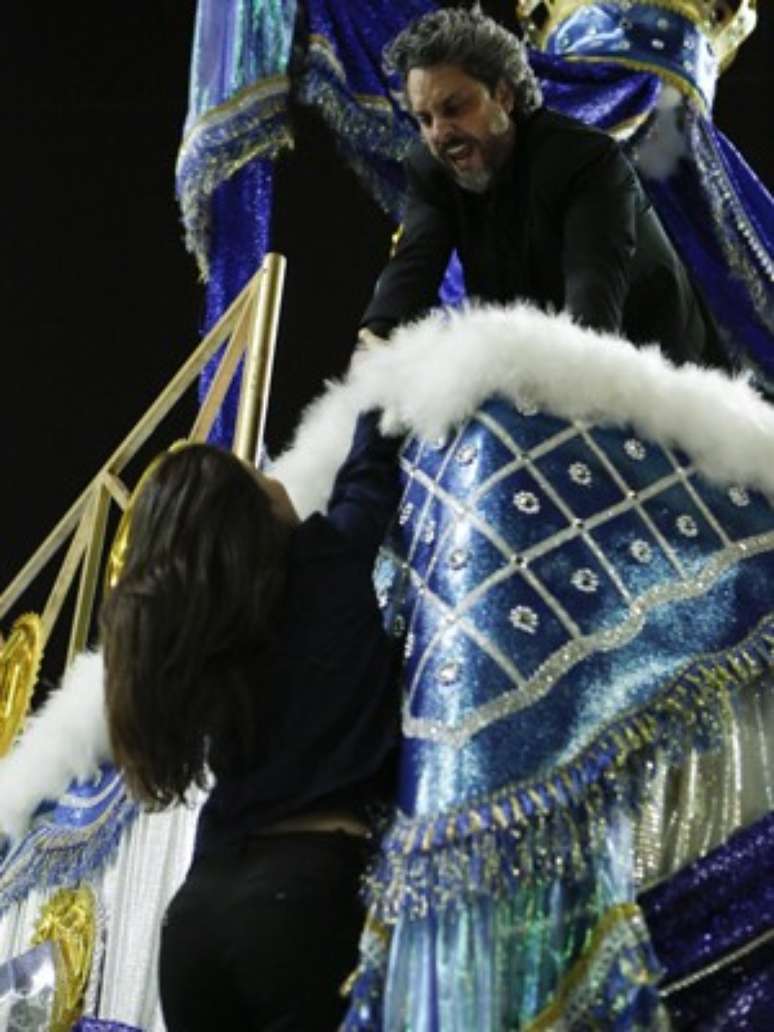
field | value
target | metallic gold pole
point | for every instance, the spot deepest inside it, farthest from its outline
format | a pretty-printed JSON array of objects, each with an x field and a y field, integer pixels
[
  {"x": 130, "y": 445},
  {"x": 89, "y": 571},
  {"x": 78, "y": 544},
  {"x": 227, "y": 367},
  {"x": 259, "y": 360}
]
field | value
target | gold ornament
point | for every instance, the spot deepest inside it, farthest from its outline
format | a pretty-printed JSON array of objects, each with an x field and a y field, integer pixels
[
  {"x": 68, "y": 920},
  {"x": 19, "y": 666},
  {"x": 120, "y": 547}
]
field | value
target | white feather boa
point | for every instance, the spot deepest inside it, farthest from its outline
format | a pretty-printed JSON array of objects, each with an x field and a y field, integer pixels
[
  {"x": 437, "y": 372},
  {"x": 433, "y": 375}
]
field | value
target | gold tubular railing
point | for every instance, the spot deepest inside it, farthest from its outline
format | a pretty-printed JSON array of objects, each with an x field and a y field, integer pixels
[{"x": 250, "y": 327}]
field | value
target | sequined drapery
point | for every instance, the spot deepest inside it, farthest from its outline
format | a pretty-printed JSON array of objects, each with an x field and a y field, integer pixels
[
  {"x": 225, "y": 170},
  {"x": 721, "y": 219},
  {"x": 717, "y": 212},
  {"x": 238, "y": 98},
  {"x": 581, "y": 614},
  {"x": 712, "y": 926}
]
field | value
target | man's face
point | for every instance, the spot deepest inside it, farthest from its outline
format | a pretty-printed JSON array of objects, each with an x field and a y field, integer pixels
[{"x": 467, "y": 128}]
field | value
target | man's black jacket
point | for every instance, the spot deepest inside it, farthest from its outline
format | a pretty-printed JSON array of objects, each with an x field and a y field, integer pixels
[{"x": 566, "y": 225}]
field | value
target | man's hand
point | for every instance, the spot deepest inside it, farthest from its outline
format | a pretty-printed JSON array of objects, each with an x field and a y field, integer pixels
[{"x": 368, "y": 339}]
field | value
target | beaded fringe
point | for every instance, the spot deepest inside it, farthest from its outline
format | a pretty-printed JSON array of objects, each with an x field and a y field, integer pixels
[
  {"x": 254, "y": 124},
  {"x": 554, "y": 828},
  {"x": 52, "y": 855}
]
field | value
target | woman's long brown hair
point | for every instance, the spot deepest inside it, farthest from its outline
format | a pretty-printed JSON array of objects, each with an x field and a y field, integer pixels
[{"x": 189, "y": 627}]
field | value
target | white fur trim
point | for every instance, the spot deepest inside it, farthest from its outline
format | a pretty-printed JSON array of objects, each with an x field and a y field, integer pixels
[
  {"x": 437, "y": 372},
  {"x": 431, "y": 376},
  {"x": 67, "y": 739}
]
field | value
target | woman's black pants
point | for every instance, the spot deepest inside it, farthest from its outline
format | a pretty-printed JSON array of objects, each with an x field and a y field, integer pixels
[{"x": 262, "y": 938}]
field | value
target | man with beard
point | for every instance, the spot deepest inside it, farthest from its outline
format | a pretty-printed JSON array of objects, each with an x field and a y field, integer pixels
[{"x": 540, "y": 207}]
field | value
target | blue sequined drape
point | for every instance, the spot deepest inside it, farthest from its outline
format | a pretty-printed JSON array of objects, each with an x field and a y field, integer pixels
[{"x": 226, "y": 201}]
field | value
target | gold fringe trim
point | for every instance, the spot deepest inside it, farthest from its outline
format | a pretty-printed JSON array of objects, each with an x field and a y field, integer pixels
[
  {"x": 276, "y": 85},
  {"x": 325, "y": 48}
]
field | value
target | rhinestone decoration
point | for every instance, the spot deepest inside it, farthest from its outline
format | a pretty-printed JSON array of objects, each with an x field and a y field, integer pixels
[
  {"x": 641, "y": 551},
  {"x": 580, "y": 474},
  {"x": 408, "y": 648},
  {"x": 687, "y": 525},
  {"x": 657, "y": 44},
  {"x": 524, "y": 619},
  {"x": 459, "y": 558},
  {"x": 526, "y": 502},
  {"x": 405, "y": 513},
  {"x": 428, "y": 533},
  {"x": 449, "y": 672},
  {"x": 466, "y": 454},
  {"x": 438, "y": 443},
  {"x": 635, "y": 449},
  {"x": 738, "y": 496},
  {"x": 526, "y": 407},
  {"x": 382, "y": 598},
  {"x": 662, "y": 23},
  {"x": 399, "y": 626},
  {"x": 566, "y": 657},
  {"x": 585, "y": 580}
]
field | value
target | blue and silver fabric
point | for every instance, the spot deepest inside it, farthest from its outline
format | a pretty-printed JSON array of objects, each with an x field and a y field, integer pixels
[
  {"x": 69, "y": 840},
  {"x": 576, "y": 604}
]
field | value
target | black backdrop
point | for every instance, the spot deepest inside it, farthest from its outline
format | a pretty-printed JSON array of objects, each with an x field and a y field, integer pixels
[{"x": 100, "y": 304}]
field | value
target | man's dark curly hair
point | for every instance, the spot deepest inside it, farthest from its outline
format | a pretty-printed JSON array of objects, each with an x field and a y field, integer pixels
[{"x": 473, "y": 42}]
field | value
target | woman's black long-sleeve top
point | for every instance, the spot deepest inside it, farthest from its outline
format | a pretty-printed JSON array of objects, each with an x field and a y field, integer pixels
[{"x": 329, "y": 698}]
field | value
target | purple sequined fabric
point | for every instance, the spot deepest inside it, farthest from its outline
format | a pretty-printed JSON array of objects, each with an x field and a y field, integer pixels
[
  {"x": 738, "y": 998},
  {"x": 98, "y": 1025},
  {"x": 714, "y": 908}
]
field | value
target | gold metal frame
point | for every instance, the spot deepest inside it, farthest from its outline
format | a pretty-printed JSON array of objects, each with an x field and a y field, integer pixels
[{"x": 250, "y": 326}]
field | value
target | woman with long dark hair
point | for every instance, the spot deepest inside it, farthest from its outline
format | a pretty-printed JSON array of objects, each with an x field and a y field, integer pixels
[{"x": 243, "y": 643}]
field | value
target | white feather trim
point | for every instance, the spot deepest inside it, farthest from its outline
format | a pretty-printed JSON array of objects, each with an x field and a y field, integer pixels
[
  {"x": 67, "y": 739},
  {"x": 437, "y": 372},
  {"x": 431, "y": 376}
]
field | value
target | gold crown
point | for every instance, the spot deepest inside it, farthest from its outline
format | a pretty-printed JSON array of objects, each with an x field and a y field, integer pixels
[{"x": 725, "y": 23}]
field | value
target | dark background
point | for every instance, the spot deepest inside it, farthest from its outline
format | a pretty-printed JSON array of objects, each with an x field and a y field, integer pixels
[{"x": 101, "y": 303}]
